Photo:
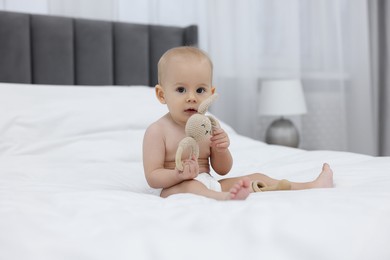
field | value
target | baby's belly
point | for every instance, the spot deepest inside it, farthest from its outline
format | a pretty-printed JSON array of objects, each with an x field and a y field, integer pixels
[{"x": 203, "y": 165}]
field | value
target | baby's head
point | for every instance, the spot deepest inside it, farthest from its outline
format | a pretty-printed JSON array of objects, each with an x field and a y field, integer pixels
[
  {"x": 188, "y": 58},
  {"x": 185, "y": 80}
]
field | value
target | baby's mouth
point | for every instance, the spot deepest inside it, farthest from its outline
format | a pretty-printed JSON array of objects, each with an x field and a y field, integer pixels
[{"x": 191, "y": 110}]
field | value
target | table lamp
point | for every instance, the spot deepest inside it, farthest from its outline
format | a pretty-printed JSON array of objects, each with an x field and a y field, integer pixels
[{"x": 282, "y": 98}]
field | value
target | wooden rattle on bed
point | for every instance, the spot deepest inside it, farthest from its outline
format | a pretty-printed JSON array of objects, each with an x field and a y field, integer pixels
[{"x": 197, "y": 127}]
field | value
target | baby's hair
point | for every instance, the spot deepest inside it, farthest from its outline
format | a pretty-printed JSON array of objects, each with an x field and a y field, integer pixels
[{"x": 184, "y": 51}]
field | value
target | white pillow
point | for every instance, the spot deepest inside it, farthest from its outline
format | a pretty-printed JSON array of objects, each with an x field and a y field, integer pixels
[
  {"x": 34, "y": 113},
  {"x": 67, "y": 104}
]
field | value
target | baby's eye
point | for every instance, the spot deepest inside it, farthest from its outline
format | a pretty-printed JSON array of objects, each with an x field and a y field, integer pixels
[
  {"x": 200, "y": 90},
  {"x": 181, "y": 89}
]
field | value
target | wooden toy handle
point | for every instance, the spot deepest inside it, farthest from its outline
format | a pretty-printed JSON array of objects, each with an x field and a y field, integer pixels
[{"x": 187, "y": 142}]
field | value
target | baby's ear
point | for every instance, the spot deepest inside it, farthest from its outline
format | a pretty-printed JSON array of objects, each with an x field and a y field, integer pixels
[{"x": 160, "y": 94}]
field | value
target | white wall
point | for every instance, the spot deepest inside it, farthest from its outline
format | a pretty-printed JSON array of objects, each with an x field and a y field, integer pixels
[{"x": 28, "y": 6}]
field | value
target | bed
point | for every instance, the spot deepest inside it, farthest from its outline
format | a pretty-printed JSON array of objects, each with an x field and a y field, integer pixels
[{"x": 75, "y": 100}]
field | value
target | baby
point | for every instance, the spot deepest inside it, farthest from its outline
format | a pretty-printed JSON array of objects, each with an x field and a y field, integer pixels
[{"x": 184, "y": 81}]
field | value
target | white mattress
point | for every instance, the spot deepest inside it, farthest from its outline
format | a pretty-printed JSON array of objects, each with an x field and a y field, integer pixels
[{"x": 72, "y": 187}]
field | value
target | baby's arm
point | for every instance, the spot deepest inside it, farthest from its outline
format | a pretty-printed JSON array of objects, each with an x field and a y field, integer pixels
[
  {"x": 153, "y": 158},
  {"x": 221, "y": 160}
]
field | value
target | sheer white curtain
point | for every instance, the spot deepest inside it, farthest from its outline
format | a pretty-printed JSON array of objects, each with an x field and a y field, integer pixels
[{"x": 323, "y": 42}]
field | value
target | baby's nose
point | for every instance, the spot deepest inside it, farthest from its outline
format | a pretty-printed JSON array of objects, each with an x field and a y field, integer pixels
[{"x": 191, "y": 97}]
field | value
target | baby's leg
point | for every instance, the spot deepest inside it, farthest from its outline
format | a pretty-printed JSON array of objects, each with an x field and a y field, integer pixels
[
  {"x": 239, "y": 190},
  {"x": 323, "y": 180}
]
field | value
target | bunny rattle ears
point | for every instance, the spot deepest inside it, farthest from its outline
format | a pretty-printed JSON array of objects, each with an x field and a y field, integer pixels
[{"x": 204, "y": 106}]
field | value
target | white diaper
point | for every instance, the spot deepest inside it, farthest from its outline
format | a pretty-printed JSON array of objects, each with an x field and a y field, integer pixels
[{"x": 210, "y": 182}]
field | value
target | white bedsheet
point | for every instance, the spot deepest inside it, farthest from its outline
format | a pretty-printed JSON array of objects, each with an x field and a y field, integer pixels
[{"x": 72, "y": 187}]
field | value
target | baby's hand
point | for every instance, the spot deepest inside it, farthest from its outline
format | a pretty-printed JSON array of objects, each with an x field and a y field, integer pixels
[
  {"x": 220, "y": 140},
  {"x": 190, "y": 169}
]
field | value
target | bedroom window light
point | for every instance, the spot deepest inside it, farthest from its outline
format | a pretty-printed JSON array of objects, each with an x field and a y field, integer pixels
[{"x": 282, "y": 97}]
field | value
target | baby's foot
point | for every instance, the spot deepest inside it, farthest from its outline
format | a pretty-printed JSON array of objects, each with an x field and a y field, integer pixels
[
  {"x": 325, "y": 179},
  {"x": 240, "y": 190}
]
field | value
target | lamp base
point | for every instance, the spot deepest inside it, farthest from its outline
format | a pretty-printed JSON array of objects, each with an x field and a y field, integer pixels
[{"x": 282, "y": 132}]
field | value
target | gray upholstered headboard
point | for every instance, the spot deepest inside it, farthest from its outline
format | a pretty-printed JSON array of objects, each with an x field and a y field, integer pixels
[{"x": 41, "y": 49}]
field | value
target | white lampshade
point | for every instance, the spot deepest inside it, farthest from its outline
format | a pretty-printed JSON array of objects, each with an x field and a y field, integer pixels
[{"x": 282, "y": 98}]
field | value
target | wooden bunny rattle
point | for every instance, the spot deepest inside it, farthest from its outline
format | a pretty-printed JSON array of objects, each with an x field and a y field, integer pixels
[{"x": 200, "y": 126}]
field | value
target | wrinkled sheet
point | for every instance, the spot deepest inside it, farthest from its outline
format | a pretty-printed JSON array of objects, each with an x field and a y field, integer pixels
[{"x": 70, "y": 190}]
